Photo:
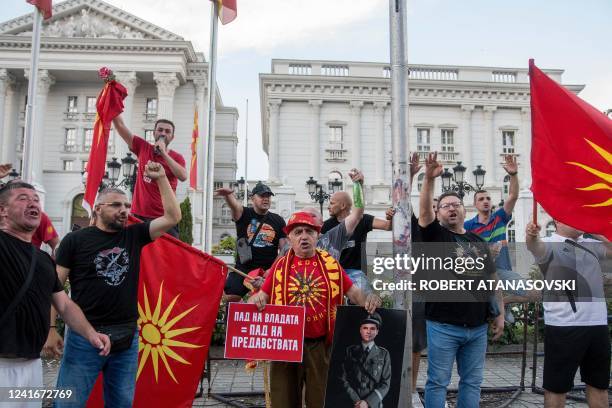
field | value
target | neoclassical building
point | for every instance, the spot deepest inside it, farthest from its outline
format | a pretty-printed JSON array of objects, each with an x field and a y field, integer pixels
[
  {"x": 165, "y": 78},
  {"x": 322, "y": 118}
]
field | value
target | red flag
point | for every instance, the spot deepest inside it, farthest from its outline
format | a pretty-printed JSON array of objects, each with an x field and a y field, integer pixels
[
  {"x": 193, "y": 167},
  {"x": 228, "y": 10},
  {"x": 45, "y": 7},
  {"x": 177, "y": 317},
  {"x": 108, "y": 106},
  {"x": 571, "y": 156}
]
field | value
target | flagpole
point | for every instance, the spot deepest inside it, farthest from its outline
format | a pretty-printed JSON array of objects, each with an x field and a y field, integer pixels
[
  {"x": 401, "y": 179},
  {"x": 210, "y": 152},
  {"x": 246, "y": 157},
  {"x": 28, "y": 148}
]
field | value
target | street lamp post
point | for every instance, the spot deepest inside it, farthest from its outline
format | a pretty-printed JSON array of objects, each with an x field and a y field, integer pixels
[
  {"x": 460, "y": 186},
  {"x": 239, "y": 187},
  {"x": 316, "y": 192},
  {"x": 127, "y": 166},
  {"x": 13, "y": 175}
]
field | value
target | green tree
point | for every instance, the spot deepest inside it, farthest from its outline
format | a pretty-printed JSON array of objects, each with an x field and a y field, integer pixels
[
  {"x": 226, "y": 246},
  {"x": 186, "y": 224}
]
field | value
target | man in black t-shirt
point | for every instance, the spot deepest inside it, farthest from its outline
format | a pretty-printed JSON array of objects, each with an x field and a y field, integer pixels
[
  {"x": 259, "y": 232},
  {"x": 339, "y": 208},
  {"x": 26, "y": 295},
  {"x": 455, "y": 330},
  {"x": 103, "y": 263}
]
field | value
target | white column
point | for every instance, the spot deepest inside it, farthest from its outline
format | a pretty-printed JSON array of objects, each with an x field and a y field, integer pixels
[
  {"x": 356, "y": 133},
  {"x": 466, "y": 138},
  {"x": 44, "y": 83},
  {"x": 523, "y": 146},
  {"x": 273, "y": 138},
  {"x": 379, "y": 115},
  {"x": 167, "y": 82},
  {"x": 315, "y": 139},
  {"x": 131, "y": 82},
  {"x": 490, "y": 161},
  {"x": 6, "y": 80},
  {"x": 10, "y": 137}
]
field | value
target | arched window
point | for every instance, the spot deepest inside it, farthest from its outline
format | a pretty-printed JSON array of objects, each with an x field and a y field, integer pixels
[
  {"x": 506, "y": 186},
  {"x": 335, "y": 177},
  {"x": 511, "y": 232},
  {"x": 550, "y": 228},
  {"x": 420, "y": 179},
  {"x": 78, "y": 214}
]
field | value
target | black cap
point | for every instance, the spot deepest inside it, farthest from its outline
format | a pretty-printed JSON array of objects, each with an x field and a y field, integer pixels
[
  {"x": 261, "y": 189},
  {"x": 373, "y": 318}
]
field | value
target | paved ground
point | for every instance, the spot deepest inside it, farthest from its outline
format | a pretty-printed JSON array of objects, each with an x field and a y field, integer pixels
[{"x": 230, "y": 376}]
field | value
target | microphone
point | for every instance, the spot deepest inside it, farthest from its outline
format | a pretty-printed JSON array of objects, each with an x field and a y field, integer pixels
[{"x": 162, "y": 139}]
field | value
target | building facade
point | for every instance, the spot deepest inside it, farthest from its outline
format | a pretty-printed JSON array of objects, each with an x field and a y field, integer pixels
[
  {"x": 322, "y": 118},
  {"x": 165, "y": 78}
]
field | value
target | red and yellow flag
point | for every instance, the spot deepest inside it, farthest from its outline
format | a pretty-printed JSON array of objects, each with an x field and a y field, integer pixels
[
  {"x": 108, "y": 106},
  {"x": 571, "y": 156},
  {"x": 177, "y": 317},
  {"x": 193, "y": 167},
  {"x": 45, "y": 7},
  {"x": 228, "y": 10}
]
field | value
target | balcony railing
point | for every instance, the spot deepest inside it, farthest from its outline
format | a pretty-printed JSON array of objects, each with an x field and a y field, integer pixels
[
  {"x": 448, "y": 156},
  {"x": 71, "y": 115},
  {"x": 69, "y": 148},
  {"x": 89, "y": 116},
  {"x": 335, "y": 153},
  {"x": 150, "y": 116}
]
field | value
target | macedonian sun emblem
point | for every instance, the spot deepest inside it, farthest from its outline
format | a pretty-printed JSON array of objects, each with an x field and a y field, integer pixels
[
  {"x": 305, "y": 289},
  {"x": 605, "y": 182},
  {"x": 157, "y": 334}
]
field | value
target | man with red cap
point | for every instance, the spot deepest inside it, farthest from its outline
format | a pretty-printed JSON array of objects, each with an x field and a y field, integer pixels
[{"x": 308, "y": 277}]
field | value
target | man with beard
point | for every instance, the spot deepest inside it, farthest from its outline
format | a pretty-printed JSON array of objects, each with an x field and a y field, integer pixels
[
  {"x": 456, "y": 330},
  {"x": 147, "y": 201},
  {"x": 103, "y": 263},
  {"x": 260, "y": 235},
  {"x": 311, "y": 278},
  {"x": 28, "y": 286}
]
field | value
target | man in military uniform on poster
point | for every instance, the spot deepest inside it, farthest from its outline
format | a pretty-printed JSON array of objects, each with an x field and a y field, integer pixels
[{"x": 366, "y": 371}]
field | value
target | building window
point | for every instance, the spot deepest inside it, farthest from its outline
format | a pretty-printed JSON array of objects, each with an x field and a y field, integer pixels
[
  {"x": 423, "y": 142},
  {"x": 151, "y": 109},
  {"x": 149, "y": 135},
  {"x": 386, "y": 73},
  {"x": 336, "y": 137},
  {"x": 72, "y": 104},
  {"x": 550, "y": 228},
  {"x": 68, "y": 165},
  {"x": 335, "y": 70},
  {"x": 226, "y": 212},
  {"x": 111, "y": 141},
  {"x": 70, "y": 143},
  {"x": 87, "y": 139},
  {"x": 508, "y": 141},
  {"x": 84, "y": 165},
  {"x": 91, "y": 104},
  {"x": 506, "y": 186},
  {"x": 334, "y": 177},
  {"x": 420, "y": 179},
  {"x": 300, "y": 69},
  {"x": 21, "y": 144},
  {"x": 511, "y": 232},
  {"x": 448, "y": 140},
  {"x": 217, "y": 185}
]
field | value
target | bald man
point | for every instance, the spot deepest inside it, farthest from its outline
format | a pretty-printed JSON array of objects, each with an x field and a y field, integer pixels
[{"x": 340, "y": 206}]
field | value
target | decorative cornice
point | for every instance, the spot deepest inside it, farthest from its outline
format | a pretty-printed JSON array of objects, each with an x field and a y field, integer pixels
[
  {"x": 63, "y": 9},
  {"x": 44, "y": 82},
  {"x": 167, "y": 82}
]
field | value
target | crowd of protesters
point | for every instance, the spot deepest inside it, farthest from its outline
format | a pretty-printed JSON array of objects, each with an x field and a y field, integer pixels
[{"x": 102, "y": 263}]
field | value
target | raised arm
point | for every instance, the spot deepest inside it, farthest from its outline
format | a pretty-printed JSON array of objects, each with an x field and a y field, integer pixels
[
  {"x": 534, "y": 244},
  {"x": 356, "y": 214},
  {"x": 123, "y": 130},
  {"x": 234, "y": 205},
  {"x": 172, "y": 210},
  {"x": 511, "y": 168},
  {"x": 432, "y": 170}
]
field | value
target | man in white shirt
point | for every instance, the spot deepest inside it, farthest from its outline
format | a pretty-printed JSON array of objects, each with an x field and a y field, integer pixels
[{"x": 576, "y": 328}]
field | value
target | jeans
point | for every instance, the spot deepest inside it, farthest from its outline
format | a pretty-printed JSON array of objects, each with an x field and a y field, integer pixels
[
  {"x": 359, "y": 280},
  {"x": 447, "y": 342},
  {"x": 82, "y": 364}
]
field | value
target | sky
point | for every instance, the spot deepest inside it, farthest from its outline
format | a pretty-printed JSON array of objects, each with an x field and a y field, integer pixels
[{"x": 564, "y": 34}]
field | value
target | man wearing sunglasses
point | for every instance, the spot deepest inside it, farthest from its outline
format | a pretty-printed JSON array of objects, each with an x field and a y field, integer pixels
[
  {"x": 103, "y": 262},
  {"x": 456, "y": 320}
]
